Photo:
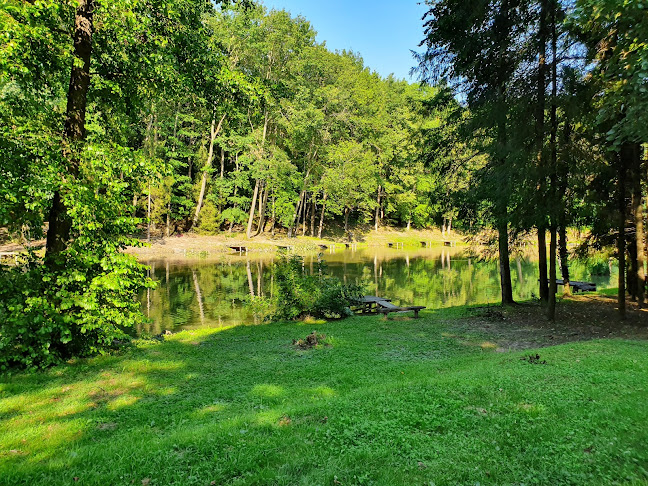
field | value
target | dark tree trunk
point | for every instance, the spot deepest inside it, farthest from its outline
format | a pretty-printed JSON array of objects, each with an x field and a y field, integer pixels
[
  {"x": 541, "y": 86},
  {"x": 347, "y": 211},
  {"x": 542, "y": 264},
  {"x": 621, "y": 241},
  {"x": 555, "y": 199},
  {"x": 501, "y": 205},
  {"x": 307, "y": 208},
  {"x": 551, "y": 307},
  {"x": 562, "y": 222},
  {"x": 638, "y": 277},
  {"x": 632, "y": 268},
  {"x": 58, "y": 233},
  {"x": 292, "y": 231},
  {"x": 504, "y": 264},
  {"x": 564, "y": 256}
]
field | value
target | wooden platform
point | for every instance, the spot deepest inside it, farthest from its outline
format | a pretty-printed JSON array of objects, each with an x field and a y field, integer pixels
[
  {"x": 240, "y": 249},
  {"x": 370, "y": 304}
]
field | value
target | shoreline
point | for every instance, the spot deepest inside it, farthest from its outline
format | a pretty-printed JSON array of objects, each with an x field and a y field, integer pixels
[{"x": 189, "y": 246}]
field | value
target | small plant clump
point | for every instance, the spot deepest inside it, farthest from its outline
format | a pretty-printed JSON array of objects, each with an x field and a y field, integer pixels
[
  {"x": 534, "y": 359},
  {"x": 312, "y": 340},
  {"x": 300, "y": 294}
]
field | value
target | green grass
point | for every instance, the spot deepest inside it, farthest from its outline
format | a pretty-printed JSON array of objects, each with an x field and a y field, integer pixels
[{"x": 388, "y": 402}]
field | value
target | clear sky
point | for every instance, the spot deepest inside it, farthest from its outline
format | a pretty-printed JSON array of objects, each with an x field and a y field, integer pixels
[{"x": 382, "y": 31}]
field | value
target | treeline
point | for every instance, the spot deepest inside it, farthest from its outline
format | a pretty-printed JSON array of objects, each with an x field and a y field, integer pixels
[
  {"x": 271, "y": 131},
  {"x": 557, "y": 98}
]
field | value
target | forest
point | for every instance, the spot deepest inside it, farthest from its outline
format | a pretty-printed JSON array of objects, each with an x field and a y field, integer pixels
[{"x": 129, "y": 119}]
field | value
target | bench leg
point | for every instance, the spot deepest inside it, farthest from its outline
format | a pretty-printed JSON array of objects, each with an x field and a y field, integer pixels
[{"x": 416, "y": 313}]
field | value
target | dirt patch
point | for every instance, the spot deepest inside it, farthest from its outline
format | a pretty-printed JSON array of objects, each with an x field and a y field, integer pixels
[
  {"x": 312, "y": 340},
  {"x": 578, "y": 318}
]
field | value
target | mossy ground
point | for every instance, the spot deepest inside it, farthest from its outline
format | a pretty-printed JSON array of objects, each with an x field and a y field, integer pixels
[{"x": 386, "y": 402}]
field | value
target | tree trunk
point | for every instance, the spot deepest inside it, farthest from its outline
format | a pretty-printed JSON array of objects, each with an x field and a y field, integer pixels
[
  {"x": 555, "y": 199},
  {"x": 168, "y": 219},
  {"x": 621, "y": 242},
  {"x": 148, "y": 214},
  {"x": 293, "y": 228},
  {"x": 252, "y": 209},
  {"x": 562, "y": 222},
  {"x": 262, "y": 210},
  {"x": 542, "y": 264},
  {"x": 551, "y": 307},
  {"x": 321, "y": 223},
  {"x": 274, "y": 216},
  {"x": 377, "y": 222},
  {"x": 638, "y": 277},
  {"x": 58, "y": 233},
  {"x": 504, "y": 264},
  {"x": 347, "y": 211},
  {"x": 564, "y": 256},
  {"x": 306, "y": 208},
  {"x": 313, "y": 217},
  {"x": 641, "y": 276},
  {"x": 541, "y": 86},
  {"x": 212, "y": 136},
  {"x": 222, "y": 163}
]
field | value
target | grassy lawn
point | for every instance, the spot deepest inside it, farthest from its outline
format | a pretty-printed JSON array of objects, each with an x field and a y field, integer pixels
[{"x": 389, "y": 402}]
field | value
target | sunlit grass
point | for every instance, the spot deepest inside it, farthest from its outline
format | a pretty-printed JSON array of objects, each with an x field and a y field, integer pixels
[{"x": 388, "y": 402}]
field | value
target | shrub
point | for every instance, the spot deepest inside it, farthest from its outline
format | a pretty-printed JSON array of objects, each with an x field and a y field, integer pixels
[
  {"x": 81, "y": 309},
  {"x": 300, "y": 294}
]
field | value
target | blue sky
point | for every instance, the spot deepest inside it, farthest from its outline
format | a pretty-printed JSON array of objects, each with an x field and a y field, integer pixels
[{"x": 382, "y": 31}]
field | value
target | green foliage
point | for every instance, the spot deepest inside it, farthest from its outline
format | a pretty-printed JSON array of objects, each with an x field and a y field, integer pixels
[
  {"x": 49, "y": 316},
  {"x": 83, "y": 301},
  {"x": 299, "y": 294}
]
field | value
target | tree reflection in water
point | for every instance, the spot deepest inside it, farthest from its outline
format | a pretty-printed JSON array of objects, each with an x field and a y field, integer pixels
[{"x": 201, "y": 293}]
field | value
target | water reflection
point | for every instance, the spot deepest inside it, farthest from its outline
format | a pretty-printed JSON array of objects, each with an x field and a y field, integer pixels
[{"x": 201, "y": 293}]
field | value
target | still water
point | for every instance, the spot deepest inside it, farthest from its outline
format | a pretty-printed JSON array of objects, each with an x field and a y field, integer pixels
[{"x": 212, "y": 293}]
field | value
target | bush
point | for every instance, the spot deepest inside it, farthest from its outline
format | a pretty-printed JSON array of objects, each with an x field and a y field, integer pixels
[
  {"x": 300, "y": 294},
  {"x": 79, "y": 309}
]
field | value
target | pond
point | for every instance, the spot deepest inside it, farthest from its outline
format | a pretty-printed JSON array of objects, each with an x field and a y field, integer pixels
[{"x": 212, "y": 293}]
